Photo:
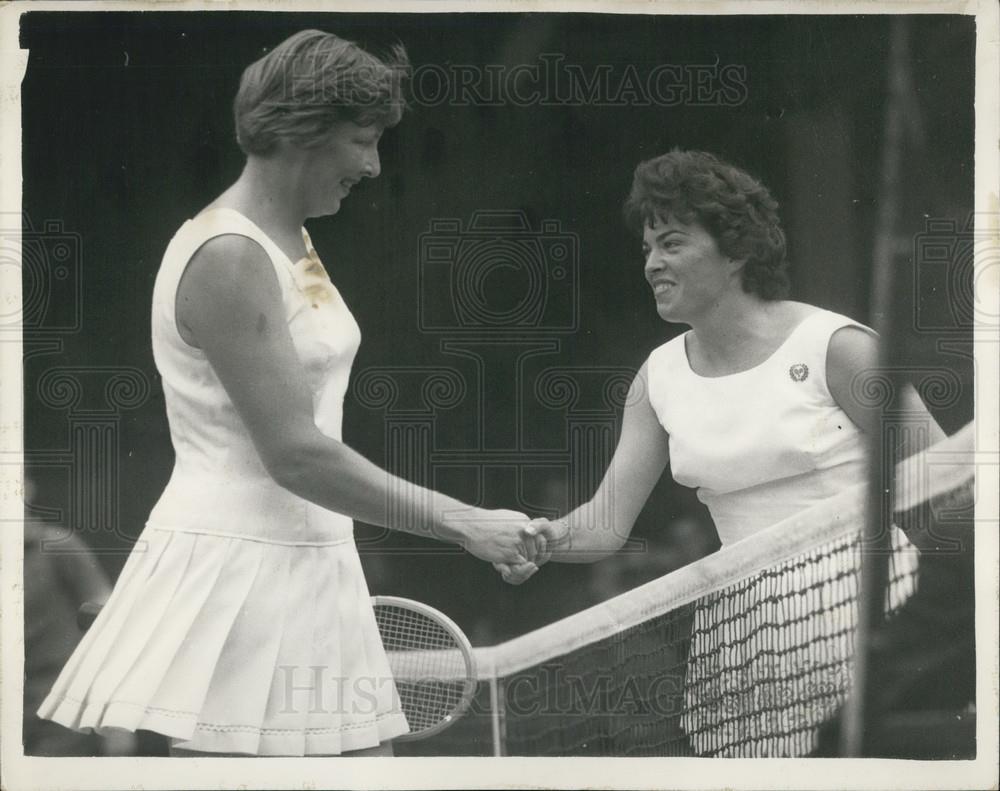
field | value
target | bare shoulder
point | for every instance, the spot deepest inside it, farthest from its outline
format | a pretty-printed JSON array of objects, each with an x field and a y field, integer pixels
[
  {"x": 852, "y": 346},
  {"x": 226, "y": 268},
  {"x": 229, "y": 258},
  {"x": 852, "y": 355},
  {"x": 227, "y": 276}
]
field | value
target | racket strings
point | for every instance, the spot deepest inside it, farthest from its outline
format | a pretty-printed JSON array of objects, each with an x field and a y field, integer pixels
[{"x": 429, "y": 666}]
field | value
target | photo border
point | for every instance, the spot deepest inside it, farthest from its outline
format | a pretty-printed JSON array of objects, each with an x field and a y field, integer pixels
[{"x": 21, "y": 772}]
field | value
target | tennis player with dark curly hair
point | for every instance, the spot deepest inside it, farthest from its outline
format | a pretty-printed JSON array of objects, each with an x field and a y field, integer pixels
[{"x": 758, "y": 406}]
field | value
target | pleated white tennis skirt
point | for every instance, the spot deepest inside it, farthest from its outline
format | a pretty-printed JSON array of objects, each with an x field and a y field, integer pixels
[{"x": 227, "y": 644}]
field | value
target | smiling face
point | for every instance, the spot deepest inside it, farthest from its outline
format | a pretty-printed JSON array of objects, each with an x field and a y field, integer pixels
[
  {"x": 687, "y": 271},
  {"x": 333, "y": 168}
]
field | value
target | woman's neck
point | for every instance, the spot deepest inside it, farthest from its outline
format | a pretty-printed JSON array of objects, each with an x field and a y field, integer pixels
[
  {"x": 734, "y": 328},
  {"x": 268, "y": 193}
]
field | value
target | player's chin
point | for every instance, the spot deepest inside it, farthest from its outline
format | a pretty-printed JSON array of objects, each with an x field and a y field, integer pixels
[
  {"x": 328, "y": 208},
  {"x": 673, "y": 310},
  {"x": 668, "y": 312}
]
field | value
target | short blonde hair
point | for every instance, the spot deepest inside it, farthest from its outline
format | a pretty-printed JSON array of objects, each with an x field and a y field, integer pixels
[{"x": 309, "y": 82}]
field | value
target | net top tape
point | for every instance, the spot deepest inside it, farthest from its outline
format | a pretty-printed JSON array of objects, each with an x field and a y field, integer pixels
[{"x": 919, "y": 479}]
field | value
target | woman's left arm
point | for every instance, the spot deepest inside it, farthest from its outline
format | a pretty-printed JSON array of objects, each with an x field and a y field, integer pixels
[{"x": 852, "y": 359}]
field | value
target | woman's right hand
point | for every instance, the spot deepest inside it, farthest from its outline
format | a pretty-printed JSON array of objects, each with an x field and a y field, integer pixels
[
  {"x": 496, "y": 536},
  {"x": 547, "y": 535}
]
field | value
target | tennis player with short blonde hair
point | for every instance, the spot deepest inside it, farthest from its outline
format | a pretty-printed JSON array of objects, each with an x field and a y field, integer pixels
[{"x": 241, "y": 623}]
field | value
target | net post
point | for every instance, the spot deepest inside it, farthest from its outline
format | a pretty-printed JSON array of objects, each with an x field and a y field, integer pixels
[
  {"x": 876, "y": 541},
  {"x": 497, "y": 716}
]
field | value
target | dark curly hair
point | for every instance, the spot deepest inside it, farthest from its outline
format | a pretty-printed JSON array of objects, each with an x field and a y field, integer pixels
[{"x": 735, "y": 208}]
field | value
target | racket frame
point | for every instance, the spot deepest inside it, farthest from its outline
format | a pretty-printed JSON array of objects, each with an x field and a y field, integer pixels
[{"x": 461, "y": 642}]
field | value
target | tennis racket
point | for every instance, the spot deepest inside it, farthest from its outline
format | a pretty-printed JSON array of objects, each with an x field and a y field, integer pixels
[
  {"x": 431, "y": 662},
  {"x": 430, "y": 657}
]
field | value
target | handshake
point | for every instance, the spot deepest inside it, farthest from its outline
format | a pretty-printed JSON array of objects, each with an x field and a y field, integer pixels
[{"x": 516, "y": 545}]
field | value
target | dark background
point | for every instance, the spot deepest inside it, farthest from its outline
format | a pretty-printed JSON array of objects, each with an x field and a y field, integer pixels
[{"x": 127, "y": 132}]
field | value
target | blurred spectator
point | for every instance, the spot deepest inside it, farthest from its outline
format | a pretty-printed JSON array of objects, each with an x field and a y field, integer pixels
[{"x": 60, "y": 573}]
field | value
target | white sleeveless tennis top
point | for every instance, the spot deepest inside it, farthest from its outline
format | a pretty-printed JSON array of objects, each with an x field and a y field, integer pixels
[
  {"x": 219, "y": 483},
  {"x": 763, "y": 444}
]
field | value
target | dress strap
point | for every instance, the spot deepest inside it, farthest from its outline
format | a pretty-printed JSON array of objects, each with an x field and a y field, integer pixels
[
  {"x": 222, "y": 221},
  {"x": 667, "y": 371},
  {"x": 188, "y": 240},
  {"x": 814, "y": 334},
  {"x": 823, "y": 323},
  {"x": 806, "y": 351}
]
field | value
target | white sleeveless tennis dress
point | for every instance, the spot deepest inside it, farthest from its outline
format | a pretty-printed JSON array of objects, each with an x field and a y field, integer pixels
[
  {"x": 241, "y": 621},
  {"x": 760, "y": 446}
]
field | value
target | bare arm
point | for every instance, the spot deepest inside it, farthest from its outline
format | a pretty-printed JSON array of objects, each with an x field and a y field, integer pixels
[
  {"x": 588, "y": 534},
  {"x": 229, "y": 303},
  {"x": 852, "y": 359},
  {"x": 600, "y": 527}
]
